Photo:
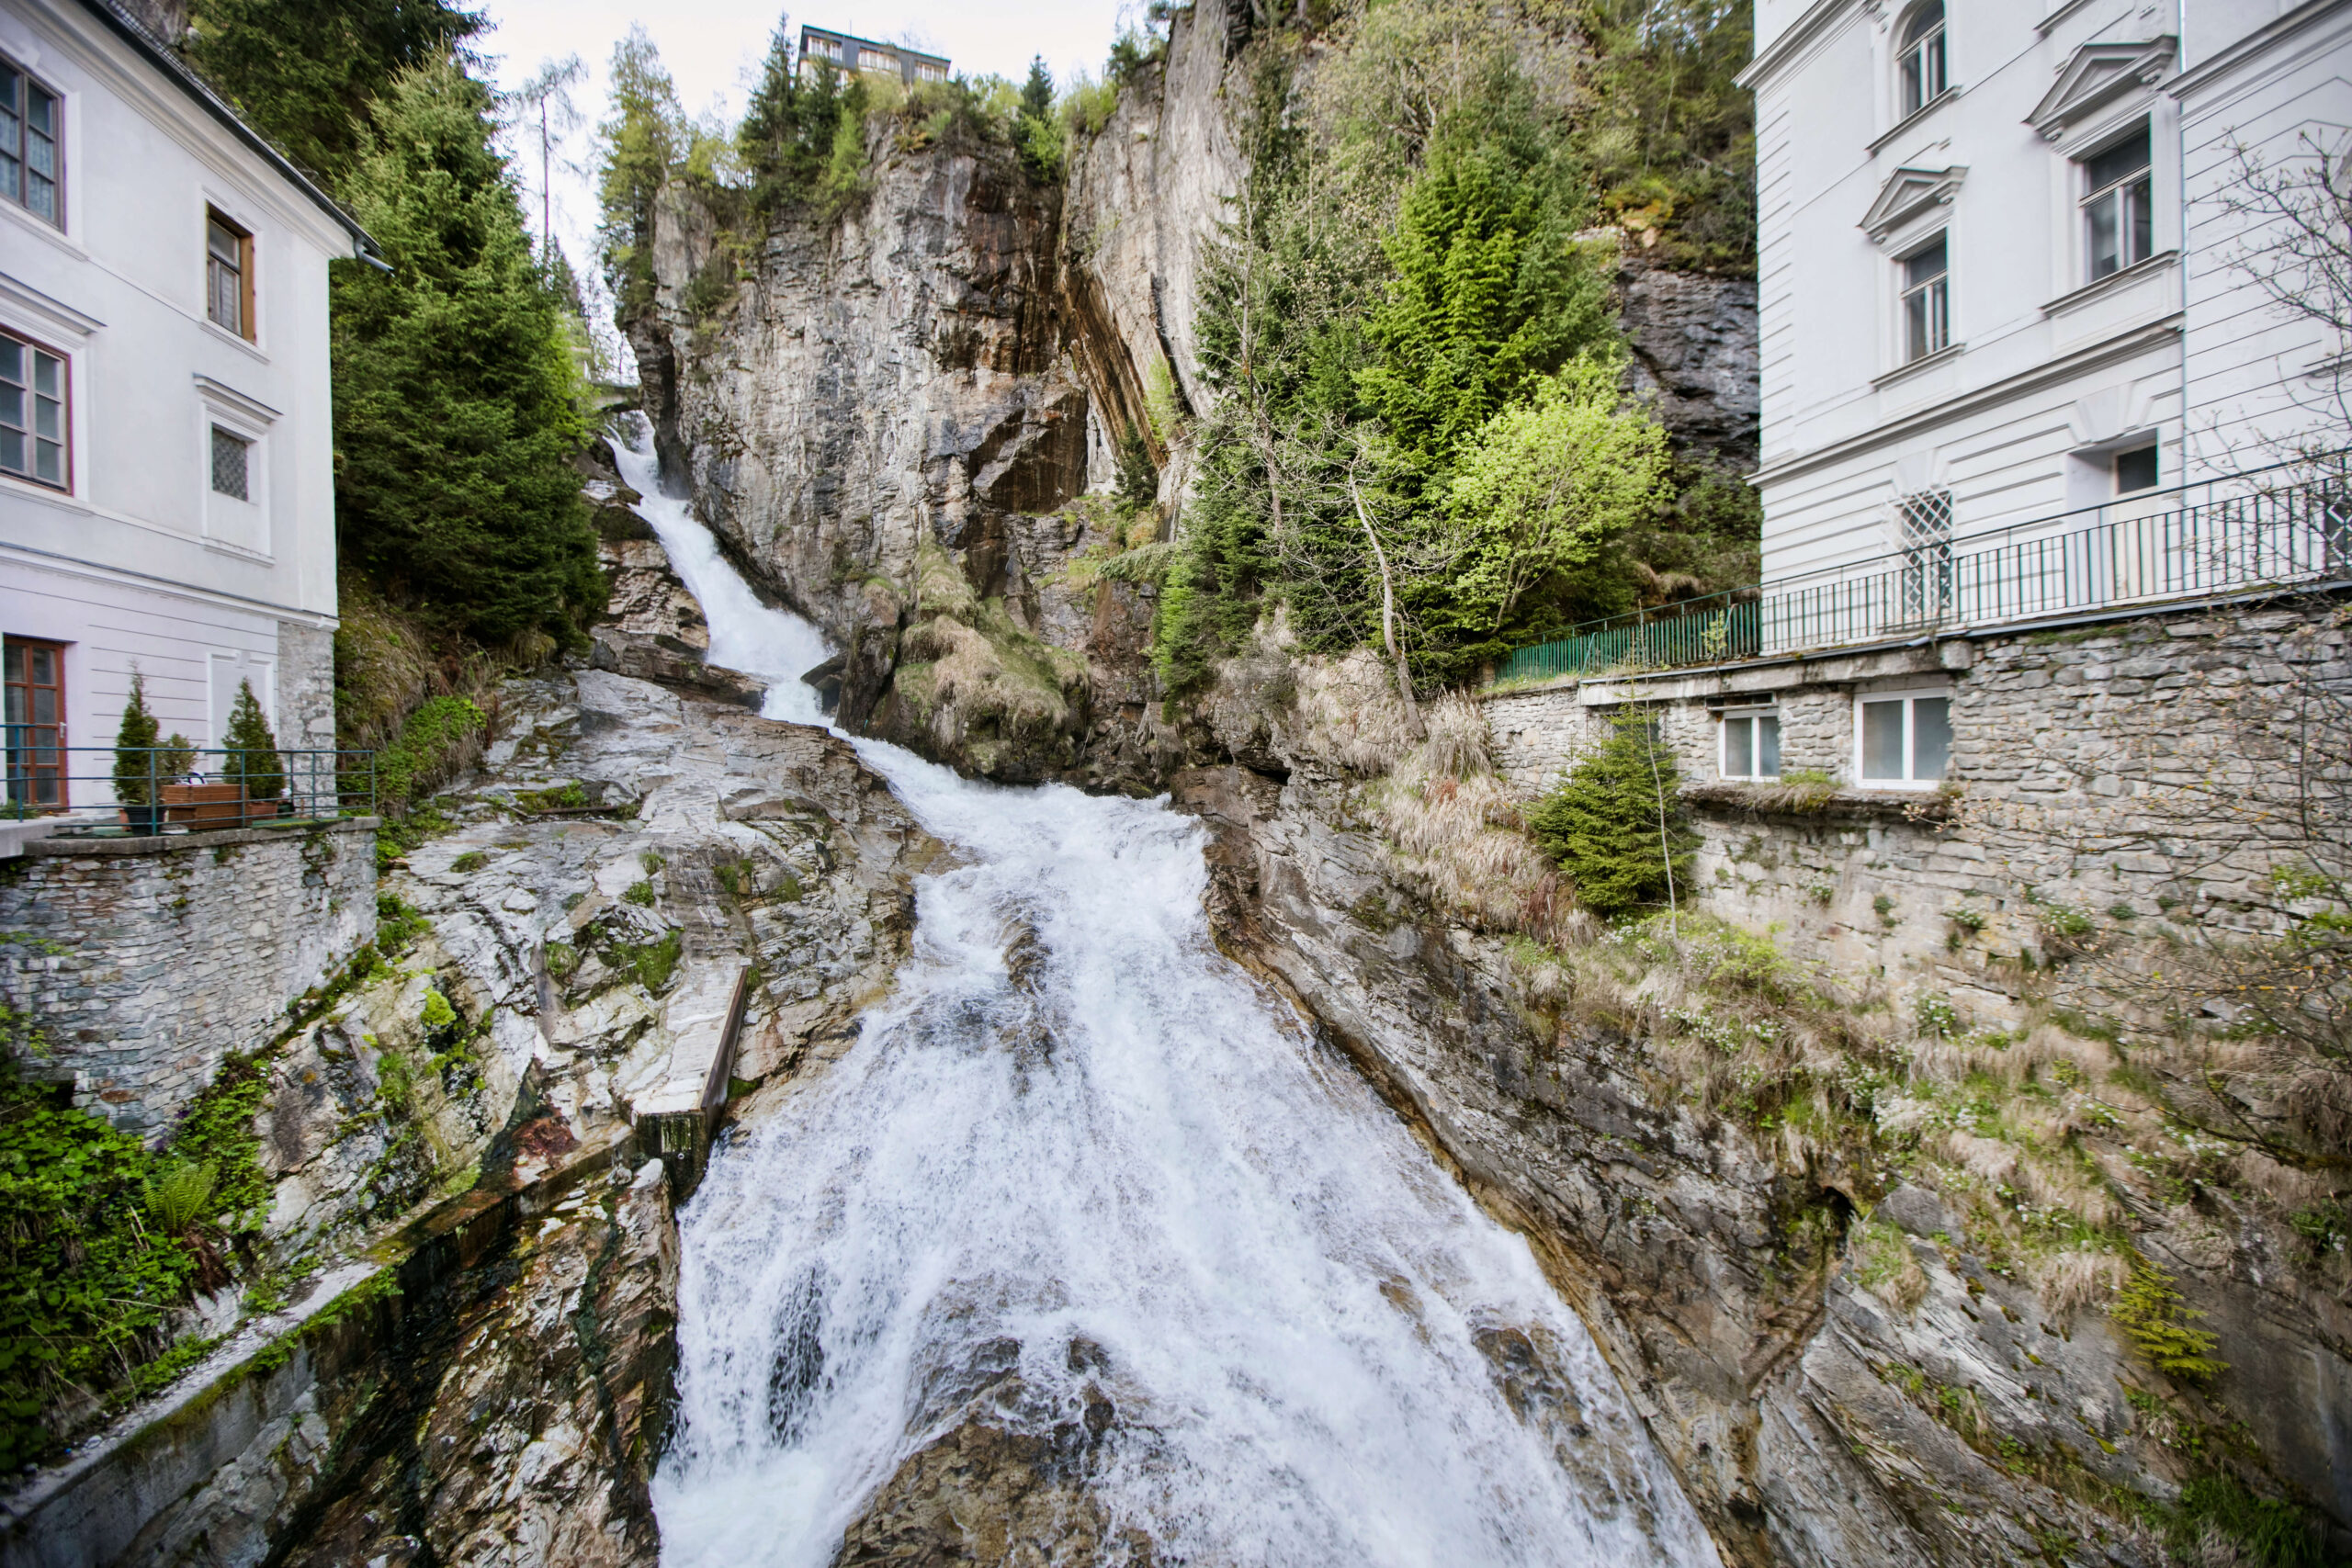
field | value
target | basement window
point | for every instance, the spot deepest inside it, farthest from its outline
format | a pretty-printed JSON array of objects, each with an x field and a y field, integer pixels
[
  {"x": 1902, "y": 740},
  {"x": 1749, "y": 744}
]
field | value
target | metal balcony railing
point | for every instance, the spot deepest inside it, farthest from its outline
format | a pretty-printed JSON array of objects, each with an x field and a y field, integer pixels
[
  {"x": 2277, "y": 526},
  {"x": 169, "y": 788}
]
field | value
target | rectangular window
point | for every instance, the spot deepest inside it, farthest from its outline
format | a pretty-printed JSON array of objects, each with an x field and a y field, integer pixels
[
  {"x": 32, "y": 413},
  {"x": 2119, "y": 209},
  {"x": 1905, "y": 740},
  {"x": 228, "y": 275},
  {"x": 230, "y": 455},
  {"x": 36, "y": 725},
  {"x": 32, "y": 164},
  {"x": 1927, "y": 301},
  {"x": 1922, "y": 58},
  {"x": 2136, "y": 469},
  {"x": 1751, "y": 745}
]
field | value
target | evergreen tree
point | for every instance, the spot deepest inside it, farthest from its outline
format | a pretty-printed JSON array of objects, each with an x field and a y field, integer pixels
[
  {"x": 136, "y": 765},
  {"x": 1036, "y": 130},
  {"x": 250, "y": 756},
  {"x": 1614, "y": 824},
  {"x": 306, "y": 73},
  {"x": 453, "y": 384}
]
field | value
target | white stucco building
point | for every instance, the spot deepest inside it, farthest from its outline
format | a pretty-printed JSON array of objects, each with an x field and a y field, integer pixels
[
  {"x": 167, "y": 469},
  {"x": 2005, "y": 275}
]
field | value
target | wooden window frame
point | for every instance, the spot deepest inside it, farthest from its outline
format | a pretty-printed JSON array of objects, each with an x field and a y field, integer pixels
[
  {"x": 244, "y": 264},
  {"x": 62, "y": 769}
]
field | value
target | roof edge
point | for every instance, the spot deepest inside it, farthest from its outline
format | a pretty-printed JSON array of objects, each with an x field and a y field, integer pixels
[{"x": 161, "y": 57}]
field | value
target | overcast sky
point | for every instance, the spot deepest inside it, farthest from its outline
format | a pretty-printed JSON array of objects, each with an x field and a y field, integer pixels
[{"x": 714, "y": 48}]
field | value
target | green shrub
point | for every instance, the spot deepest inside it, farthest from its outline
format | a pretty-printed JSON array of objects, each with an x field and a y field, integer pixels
[
  {"x": 2266, "y": 1531},
  {"x": 1614, "y": 824},
  {"x": 2156, "y": 1321},
  {"x": 639, "y": 894},
  {"x": 135, "y": 739},
  {"x": 433, "y": 744},
  {"x": 468, "y": 862},
  {"x": 250, "y": 756}
]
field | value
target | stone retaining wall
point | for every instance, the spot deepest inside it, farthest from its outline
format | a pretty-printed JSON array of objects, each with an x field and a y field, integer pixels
[
  {"x": 145, "y": 961},
  {"x": 2067, "y": 744}
]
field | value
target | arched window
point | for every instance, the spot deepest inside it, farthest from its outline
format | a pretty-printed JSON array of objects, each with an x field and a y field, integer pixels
[{"x": 1919, "y": 60}]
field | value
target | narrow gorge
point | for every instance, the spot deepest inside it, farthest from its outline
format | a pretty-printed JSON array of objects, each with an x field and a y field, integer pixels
[{"x": 865, "y": 1067}]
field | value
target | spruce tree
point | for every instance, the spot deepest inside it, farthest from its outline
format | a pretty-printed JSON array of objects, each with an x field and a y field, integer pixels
[
  {"x": 251, "y": 757},
  {"x": 136, "y": 765},
  {"x": 1035, "y": 129},
  {"x": 1613, "y": 822},
  {"x": 306, "y": 73},
  {"x": 454, "y": 382}
]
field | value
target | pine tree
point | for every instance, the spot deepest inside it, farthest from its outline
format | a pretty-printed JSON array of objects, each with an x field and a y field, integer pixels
[
  {"x": 1036, "y": 129},
  {"x": 306, "y": 73},
  {"x": 454, "y": 383},
  {"x": 1614, "y": 821},
  {"x": 136, "y": 768},
  {"x": 251, "y": 757}
]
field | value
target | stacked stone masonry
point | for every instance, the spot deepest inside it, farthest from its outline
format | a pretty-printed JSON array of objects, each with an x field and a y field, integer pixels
[
  {"x": 2077, "y": 755},
  {"x": 146, "y": 960}
]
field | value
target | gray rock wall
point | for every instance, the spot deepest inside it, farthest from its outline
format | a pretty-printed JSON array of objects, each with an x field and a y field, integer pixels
[{"x": 146, "y": 960}]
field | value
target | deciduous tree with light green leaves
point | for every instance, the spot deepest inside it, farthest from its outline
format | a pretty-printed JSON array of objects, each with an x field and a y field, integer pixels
[{"x": 1542, "y": 488}]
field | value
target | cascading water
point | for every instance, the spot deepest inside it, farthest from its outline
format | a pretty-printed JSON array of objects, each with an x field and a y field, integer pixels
[{"x": 1081, "y": 1175}]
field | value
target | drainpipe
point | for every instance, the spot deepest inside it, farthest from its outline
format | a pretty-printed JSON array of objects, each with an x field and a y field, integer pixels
[{"x": 2180, "y": 181}]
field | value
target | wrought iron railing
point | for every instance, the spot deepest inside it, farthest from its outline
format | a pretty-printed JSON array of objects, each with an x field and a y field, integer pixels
[
  {"x": 2274, "y": 526},
  {"x": 169, "y": 788}
]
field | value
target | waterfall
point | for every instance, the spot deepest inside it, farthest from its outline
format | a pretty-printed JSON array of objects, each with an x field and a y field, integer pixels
[{"x": 1082, "y": 1179}]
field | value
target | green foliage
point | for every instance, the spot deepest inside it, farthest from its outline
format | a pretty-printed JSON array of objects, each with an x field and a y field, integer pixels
[
  {"x": 85, "y": 1284},
  {"x": 2150, "y": 1312},
  {"x": 1614, "y": 825},
  {"x": 306, "y": 73},
  {"x": 468, "y": 862},
  {"x": 432, "y": 744},
  {"x": 1543, "y": 488},
  {"x": 1138, "y": 478},
  {"x": 653, "y": 963},
  {"x": 136, "y": 769},
  {"x": 251, "y": 756},
  {"x": 2266, "y": 1531},
  {"x": 216, "y": 1130},
  {"x": 456, "y": 414},
  {"x": 640, "y": 893},
  {"x": 436, "y": 1014},
  {"x": 397, "y": 925},
  {"x": 179, "y": 1193},
  {"x": 1666, "y": 133},
  {"x": 791, "y": 140},
  {"x": 1036, "y": 130},
  {"x": 1489, "y": 290}
]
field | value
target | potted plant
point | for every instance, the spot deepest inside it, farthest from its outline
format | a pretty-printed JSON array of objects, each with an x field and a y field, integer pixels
[
  {"x": 249, "y": 759},
  {"x": 137, "y": 770}
]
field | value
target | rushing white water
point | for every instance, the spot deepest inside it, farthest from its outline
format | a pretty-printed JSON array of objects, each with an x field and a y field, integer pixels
[{"x": 1083, "y": 1155}]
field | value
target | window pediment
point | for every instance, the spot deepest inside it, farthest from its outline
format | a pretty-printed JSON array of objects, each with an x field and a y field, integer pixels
[
  {"x": 2095, "y": 75},
  {"x": 1907, "y": 194}
]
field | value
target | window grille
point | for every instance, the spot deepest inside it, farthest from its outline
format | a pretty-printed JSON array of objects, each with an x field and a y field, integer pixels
[
  {"x": 230, "y": 475},
  {"x": 1923, "y": 523}
]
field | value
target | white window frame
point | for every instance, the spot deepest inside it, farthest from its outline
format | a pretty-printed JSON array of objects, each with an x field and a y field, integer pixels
[
  {"x": 1933, "y": 46},
  {"x": 2088, "y": 198},
  {"x": 60, "y": 139},
  {"x": 1748, "y": 716},
  {"x": 1909, "y": 696},
  {"x": 1937, "y": 290}
]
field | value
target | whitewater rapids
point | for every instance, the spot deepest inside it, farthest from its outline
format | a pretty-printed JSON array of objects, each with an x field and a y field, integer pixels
[{"x": 1083, "y": 1153}]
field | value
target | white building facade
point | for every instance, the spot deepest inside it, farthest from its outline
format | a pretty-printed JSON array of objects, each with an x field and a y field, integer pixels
[
  {"x": 166, "y": 463},
  {"x": 2008, "y": 274}
]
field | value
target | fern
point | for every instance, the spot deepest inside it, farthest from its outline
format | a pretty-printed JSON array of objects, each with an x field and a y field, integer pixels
[{"x": 180, "y": 1194}]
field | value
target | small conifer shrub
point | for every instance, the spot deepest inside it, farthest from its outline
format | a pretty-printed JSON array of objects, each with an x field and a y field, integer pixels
[
  {"x": 2158, "y": 1323},
  {"x": 136, "y": 769},
  {"x": 1615, "y": 824},
  {"x": 251, "y": 756}
]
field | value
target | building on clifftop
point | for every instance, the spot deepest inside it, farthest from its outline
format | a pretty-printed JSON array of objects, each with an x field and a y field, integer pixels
[
  {"x": 865, "y": 57},
  {"x": 166, "y": 458}
]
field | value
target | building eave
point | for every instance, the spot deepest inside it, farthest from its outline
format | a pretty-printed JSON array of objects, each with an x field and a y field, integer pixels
[
  {"x": 156, "y": 55},
  {"x": 1807, "y": 28}
]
